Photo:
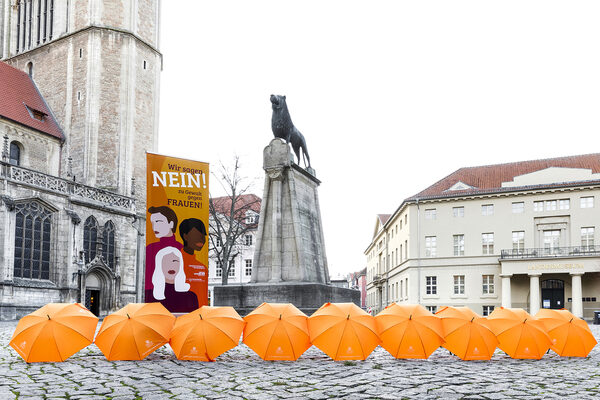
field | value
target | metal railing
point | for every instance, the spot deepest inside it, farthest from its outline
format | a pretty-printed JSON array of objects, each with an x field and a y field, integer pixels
[{"x": 574, "y": 251}]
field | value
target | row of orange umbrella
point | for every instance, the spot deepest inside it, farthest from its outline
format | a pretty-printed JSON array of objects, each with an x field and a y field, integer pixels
[{"x": 282, "y": 332}]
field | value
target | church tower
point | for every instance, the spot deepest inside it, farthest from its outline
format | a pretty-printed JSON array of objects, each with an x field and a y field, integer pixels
[{"x": 97, "y": 65}]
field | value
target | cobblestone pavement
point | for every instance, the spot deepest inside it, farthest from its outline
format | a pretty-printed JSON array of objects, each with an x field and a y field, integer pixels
[{"x": 241, "y": 374}]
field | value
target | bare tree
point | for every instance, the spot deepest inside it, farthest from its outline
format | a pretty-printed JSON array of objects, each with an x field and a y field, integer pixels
[{"x": 231, "y": 216}]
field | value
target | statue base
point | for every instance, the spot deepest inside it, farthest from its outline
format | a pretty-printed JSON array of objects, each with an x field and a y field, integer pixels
[{"x": 308, "y": 297}]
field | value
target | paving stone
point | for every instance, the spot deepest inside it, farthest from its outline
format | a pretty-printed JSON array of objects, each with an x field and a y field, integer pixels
[{"x": 239, "y": 373}]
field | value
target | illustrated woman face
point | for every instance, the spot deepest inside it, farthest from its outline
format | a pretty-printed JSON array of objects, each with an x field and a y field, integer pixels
[
  {"x": 161, "y": 226},
  {"x": 170, "y": 266},
  {"x": 194, "y": 239}
]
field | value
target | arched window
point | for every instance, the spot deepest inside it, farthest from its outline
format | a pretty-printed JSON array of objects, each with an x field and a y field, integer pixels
[
  {"x": 15, "y": 153},
  {"x": 30, "y": 69},
  {"x": 90, "y": 238},
  {"x": 108, "y": 237},
  {"x": 33, "y": 230}
]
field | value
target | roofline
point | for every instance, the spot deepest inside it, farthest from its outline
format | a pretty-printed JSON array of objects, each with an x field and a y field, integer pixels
[
  {"x": 64, "y": 137},
  {"x": 542, "y": 188},
  {"x": 61, "y": 140}
]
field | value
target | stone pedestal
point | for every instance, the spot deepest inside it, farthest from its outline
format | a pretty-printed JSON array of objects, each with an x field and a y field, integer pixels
[{"x": 290, "y": 264}]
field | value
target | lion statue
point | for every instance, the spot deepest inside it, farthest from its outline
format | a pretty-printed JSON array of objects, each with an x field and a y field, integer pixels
[{"x": 283, "y": 128}]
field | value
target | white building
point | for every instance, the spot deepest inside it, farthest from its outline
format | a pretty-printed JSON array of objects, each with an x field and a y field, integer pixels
[
  {"x": 241, "y": 270},
  {"x": 522, "y": 234}
]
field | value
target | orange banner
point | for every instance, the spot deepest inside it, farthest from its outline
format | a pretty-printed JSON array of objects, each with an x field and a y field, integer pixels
[{"x": 176, "y": 233}]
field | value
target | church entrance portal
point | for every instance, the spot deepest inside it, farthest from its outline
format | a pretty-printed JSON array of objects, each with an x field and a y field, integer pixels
[
  {"x": 553, "y": 294},
  {"x": 92, "y": 301}
]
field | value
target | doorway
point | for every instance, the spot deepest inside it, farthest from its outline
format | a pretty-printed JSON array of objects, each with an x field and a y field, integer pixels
[
  {"x": 92, "y": 301},
  {"x": 553, "y": 294}
]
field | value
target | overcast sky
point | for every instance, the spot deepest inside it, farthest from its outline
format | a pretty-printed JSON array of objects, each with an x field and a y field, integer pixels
[{"x": 391, "y": 96}]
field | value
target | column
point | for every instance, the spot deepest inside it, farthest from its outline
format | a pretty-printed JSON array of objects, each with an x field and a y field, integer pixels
[
  {"x": 576, "y": 294},
  {"x": 506, "y": 300},
  {"x": 534, "y": 293}
]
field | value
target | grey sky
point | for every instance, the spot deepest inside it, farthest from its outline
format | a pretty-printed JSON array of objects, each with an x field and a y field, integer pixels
[{"x": 391, "y": 96}]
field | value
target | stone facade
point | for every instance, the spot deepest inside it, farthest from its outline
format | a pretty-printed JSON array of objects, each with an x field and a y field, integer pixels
[
  {"x": 529, "y": 242},
  {"x": 98, "y": 72}
]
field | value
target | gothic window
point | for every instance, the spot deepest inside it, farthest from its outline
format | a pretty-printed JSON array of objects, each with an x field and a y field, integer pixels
[
  {"x": 90, "y": 238},
  {"x": 39, "y": 20},
  {"x": 45, "y": 36},
  {"x": 108, "y": 251},
  {"x": 18, "y": 25},
  {"x": 33, "y": 230},
  {"x": 15, "y": 153},
  {"x": 51, "y": 22},
  {"x": 30, "y": 22},
  {"x": 30, "y": 69}
]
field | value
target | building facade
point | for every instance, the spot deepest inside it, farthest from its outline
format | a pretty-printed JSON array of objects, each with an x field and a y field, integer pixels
[
  {"x": 95, "y": 66},
  {"x": 515, "y": 235},
  {"x": 242, "y": 264}
]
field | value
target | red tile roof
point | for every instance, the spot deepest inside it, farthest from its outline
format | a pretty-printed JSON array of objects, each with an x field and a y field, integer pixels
[
  {"x": 383, "y": 218},
  {"x": 245, "y": 203},
  {"x": 18, "y": 93},
  {"x": 489, "y": 178}
]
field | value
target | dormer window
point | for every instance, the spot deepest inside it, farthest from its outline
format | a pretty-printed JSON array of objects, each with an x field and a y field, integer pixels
[
  {"x": 36, "y": 114},
  {"x": 251, "y": 218}
]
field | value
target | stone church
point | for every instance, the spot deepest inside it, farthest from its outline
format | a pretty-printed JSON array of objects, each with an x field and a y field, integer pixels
[{"x": 79, "y": 91}]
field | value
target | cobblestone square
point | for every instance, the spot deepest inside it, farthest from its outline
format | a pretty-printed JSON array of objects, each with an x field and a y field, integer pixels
[{"x": 241, "y": 374}]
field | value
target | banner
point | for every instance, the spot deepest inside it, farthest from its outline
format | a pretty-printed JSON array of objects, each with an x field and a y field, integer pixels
[{"x": 176, "y": 232}]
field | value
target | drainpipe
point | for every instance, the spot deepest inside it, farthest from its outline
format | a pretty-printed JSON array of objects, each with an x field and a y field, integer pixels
[{"x": 418, "y": 253}]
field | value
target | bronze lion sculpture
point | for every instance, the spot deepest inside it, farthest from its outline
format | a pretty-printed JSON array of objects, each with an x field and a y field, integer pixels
[{"x": 283, "y": 128}]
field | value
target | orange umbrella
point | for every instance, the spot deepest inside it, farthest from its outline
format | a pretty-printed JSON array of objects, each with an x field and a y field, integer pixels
[
  {"x": 519, "y": 334},
  {"x": 409, "y": 330},
  {"x": 277, "y": 331},
  {"x": 343, "y": 331},
  {"x": 570, "y": 336},
  {"x": 206, "y": 333},
  {"x": 54, "y": 332},
  {"x": 466, "y": 334},
  {"x": 135, "y": 331}
]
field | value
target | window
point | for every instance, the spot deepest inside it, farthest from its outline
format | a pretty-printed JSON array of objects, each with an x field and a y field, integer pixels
[
  {"x": 15, "y": 153},
  {"x": 248, "y": 269},
  {"x": 108, "y": 250},
  {"x": 219, "y": 269},
  {"x": 459, "y": 284},
  {"x": 458, "y": 212},
  {"x": 219, "y": 242},
  {"x": 406, "y": 291},
  {"x": 400, "y": 253},
  {"x": 405, "y": 249},
  {"x": 231, "y": 272},
  {"x": 552, "y": 240},
  {"x": 430, "y": 284},
  {"x": 459, "y": 245},
  {"x": 587, "y": 238},
  {"x": 30, "y": 69},
  {"x": 33, "y": 229},
  {"x": 432, "y": 309},
  {"x": 39, "y": 22},
  {"x": 551, "y": 205},
  {"x": 401, "y": 289},
  {"x": 18, "y": 24},
  {"x": 90, "y": 238},
  {"x": 406, "y": 219},
  {"x": 487, "y": 240},
  {"x": 250, "y": 218},
  {"x": 538, "y": 206},
  {"x": 518, "y": 207},
  {"x": 564, "y": 204},
  {"x": 487, "y": 310},
  {"x": 248, "y": 240},
  {"x": 430, "y": 213},
  {"x": 587, "y": 202},
  {"x": 488, "y": 284},
  {"x": 487, "y": 209},
  {"x": 36, "y": 114},
  {"x": 518, "y": 241},
  {"x": 430, "y": 246}
]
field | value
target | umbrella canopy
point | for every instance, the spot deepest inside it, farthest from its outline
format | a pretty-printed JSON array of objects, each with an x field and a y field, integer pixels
[
  {"x": 409, "y": 330},
  {"x": 520, "y": 335},
  {"x": 135, "y": 331},
  {"x": 277, "y": 331},
  {"x": 466, "y": 334},
  {"x": 54, "y": 332},
  {"x": 343, "y": 331},
  {"x": 571, "y": 336},
  {"x": 206, "y": 333}
]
